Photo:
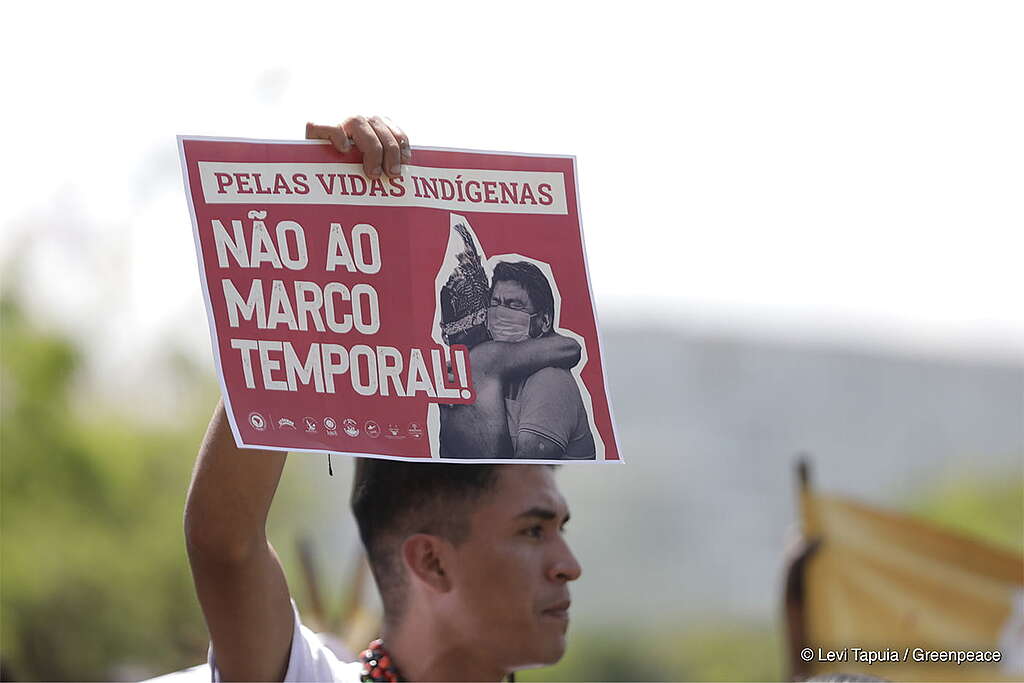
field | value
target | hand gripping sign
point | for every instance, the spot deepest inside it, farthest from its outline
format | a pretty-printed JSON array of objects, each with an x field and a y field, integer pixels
[{"x": 445, "y": 313}]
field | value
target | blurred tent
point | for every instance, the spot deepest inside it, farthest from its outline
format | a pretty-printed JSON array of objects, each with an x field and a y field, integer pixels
[{"x": 881, "y": 581}]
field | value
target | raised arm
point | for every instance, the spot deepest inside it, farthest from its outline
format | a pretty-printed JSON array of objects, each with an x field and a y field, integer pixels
[
  {"x": 238, "y": 578},
  {"x": 511, "y": 359}
]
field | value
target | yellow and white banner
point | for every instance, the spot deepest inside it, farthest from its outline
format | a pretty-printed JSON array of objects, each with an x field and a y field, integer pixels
[{"x": 904, "y": 600}]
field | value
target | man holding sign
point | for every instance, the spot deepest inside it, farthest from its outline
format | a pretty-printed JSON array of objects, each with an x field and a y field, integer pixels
[{"x": 470, "y": 560}]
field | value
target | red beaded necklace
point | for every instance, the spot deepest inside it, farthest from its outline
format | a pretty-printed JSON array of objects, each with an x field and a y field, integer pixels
[{"x": 377, "y": 665}]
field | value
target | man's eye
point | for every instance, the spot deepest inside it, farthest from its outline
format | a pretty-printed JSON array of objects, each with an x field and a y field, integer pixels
[{"x": 534, "y": 531}]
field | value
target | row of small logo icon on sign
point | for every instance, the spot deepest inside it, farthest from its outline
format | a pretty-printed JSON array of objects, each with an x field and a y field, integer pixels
[{"x": 331, "y": 427}]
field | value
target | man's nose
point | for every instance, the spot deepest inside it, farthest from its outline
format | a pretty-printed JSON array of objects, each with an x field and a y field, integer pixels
[{"x": 565, "y": 566}]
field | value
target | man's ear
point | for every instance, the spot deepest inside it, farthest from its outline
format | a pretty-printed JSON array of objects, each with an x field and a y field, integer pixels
[{"x": 424, "y": 555}]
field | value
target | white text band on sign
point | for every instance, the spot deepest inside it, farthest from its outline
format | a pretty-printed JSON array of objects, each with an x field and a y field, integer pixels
[{"x": 486, "y": 191}]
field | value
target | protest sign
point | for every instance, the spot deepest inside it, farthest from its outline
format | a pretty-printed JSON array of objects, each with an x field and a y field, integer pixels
[{"x": 445, "y": 313}]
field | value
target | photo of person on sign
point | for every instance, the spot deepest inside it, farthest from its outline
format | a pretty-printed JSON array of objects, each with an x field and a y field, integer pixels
[{"x": 529, "y": 401}]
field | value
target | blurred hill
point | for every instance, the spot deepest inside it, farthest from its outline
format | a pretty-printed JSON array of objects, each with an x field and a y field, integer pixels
[{"x": 709, "y": 426}]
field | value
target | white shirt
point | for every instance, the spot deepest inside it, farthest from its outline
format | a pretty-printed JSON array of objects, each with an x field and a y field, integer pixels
[{"x": 310, "y": 659}]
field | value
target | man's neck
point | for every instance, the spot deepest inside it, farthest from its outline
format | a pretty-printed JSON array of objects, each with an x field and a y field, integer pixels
[{"x": 424, "y": 653}]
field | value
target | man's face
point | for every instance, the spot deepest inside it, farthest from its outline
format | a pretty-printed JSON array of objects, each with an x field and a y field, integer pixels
[
  {"x": 510, "y": 578},
  {"x": 511, "y": 294}
]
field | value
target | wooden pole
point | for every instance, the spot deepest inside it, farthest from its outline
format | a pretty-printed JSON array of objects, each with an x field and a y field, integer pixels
[
  {"x": 794, "y": 590},
  {"x": 312, "y": 580}
]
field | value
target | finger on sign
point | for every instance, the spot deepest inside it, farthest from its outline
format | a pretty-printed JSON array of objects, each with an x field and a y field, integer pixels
[
  {"x": 403, "y": 139},
  {"x": 335, "y": 134},
  {"x": 362, "y": 133},
  {"x": 392, "y": 155}
]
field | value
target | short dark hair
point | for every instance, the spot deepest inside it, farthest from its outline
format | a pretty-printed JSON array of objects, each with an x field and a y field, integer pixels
[
  {"x": 532, "y": 280},
  {"x": 392, "y": 500}
]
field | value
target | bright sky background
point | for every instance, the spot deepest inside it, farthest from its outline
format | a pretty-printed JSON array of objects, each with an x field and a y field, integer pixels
[{"x": 839, "y": 171}]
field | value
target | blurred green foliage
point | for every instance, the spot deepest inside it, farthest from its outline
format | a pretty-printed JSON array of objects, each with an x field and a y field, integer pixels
[
  {"x": 95, "y": 580},
  {"x": 988, "y": 507}
]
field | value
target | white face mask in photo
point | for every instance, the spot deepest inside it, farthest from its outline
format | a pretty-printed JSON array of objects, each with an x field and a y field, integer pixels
[{"x": 508, "y": 325}]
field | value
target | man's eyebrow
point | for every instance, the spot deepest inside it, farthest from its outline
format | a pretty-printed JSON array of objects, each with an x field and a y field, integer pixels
[{"x": 541, "y": 513}]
